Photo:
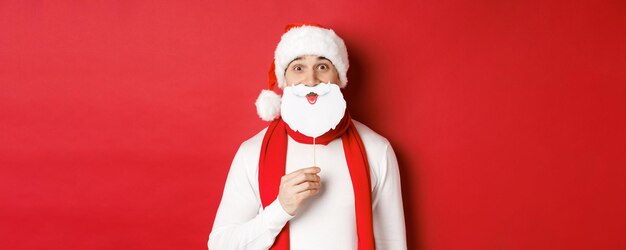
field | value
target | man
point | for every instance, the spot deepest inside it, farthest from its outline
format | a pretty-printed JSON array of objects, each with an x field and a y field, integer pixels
[{"x": 315, "y": 178}]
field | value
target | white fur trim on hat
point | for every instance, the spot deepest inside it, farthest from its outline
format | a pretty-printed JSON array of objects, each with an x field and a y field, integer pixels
[
  {"x": 268, "y": 105},
  {"x": 310, "y": 40}
]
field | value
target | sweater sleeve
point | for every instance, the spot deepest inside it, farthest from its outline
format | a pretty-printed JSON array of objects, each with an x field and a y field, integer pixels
[
  {"x": 387, "y": 210},
  {"x": 238, "y": 223}
]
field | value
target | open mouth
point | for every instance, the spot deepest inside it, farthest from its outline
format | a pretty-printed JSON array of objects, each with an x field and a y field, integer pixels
[{"x": 312, "y": 98}]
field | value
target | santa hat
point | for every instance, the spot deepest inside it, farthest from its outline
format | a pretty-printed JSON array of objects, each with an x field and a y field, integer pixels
[{"x": 300, "y": 39}]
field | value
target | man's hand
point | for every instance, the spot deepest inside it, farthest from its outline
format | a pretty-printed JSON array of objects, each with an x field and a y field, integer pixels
[{"x": 298, "y": 186}]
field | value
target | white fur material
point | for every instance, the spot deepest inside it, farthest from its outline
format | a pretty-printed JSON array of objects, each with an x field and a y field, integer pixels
[
  {"x": 268, "y": 105},
  {"x": 310, "y": 40}
]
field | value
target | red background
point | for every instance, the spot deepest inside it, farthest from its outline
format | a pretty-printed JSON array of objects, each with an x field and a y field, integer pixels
[{"x": 119, "y": 119}]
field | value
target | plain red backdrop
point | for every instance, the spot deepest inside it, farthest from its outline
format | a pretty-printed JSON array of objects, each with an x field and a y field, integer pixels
[{"x": 119, "y": 119}]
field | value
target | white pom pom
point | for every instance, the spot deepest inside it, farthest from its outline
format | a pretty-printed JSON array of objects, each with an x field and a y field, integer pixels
[{"x": 268, "y": 105}]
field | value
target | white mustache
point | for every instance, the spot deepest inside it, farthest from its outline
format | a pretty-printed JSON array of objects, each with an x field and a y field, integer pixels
[{"x": 302, "y": 90}]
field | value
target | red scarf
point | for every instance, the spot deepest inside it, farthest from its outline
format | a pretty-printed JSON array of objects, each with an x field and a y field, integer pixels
[{"x": 272, "y": 167}]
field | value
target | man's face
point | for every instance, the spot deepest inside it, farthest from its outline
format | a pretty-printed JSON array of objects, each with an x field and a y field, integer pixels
[{"x": 311, "y": 70}]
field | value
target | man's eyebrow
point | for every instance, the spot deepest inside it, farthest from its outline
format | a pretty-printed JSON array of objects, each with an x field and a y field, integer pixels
[
  {"x": 318, "y": 58},
  {"x": 295, "y": 59}
]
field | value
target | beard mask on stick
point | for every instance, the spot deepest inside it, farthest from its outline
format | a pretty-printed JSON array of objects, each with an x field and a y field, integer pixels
[{"x": 312, "y": 111}]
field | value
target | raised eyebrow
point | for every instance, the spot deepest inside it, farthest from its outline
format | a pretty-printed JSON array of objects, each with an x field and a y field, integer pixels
[
  {"x": 295, "y": 59},
  {"x": 320, "y": 58}
]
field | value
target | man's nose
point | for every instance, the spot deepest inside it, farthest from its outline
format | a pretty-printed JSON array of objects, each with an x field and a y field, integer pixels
[{"x": 311, "y": 80}]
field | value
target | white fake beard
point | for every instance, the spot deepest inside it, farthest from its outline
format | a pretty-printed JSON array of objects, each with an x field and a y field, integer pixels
[{"x": 312, "y": 118}]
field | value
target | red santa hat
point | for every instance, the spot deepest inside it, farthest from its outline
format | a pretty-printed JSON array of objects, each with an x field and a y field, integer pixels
[{"x": 300, "y": 39}]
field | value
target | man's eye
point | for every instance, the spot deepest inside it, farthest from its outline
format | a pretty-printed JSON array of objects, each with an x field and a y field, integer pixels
[
  {"x": 297, "y": 68},
  {"x": 323, "y": 67}
]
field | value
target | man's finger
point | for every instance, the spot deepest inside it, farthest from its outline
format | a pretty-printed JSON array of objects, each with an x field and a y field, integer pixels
[
  {"x": 309, "y": 185},
  {"x": 308, "y": 193},
  {"x": 302, "y": 178},
  {"x": 309, "y": 170}
]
